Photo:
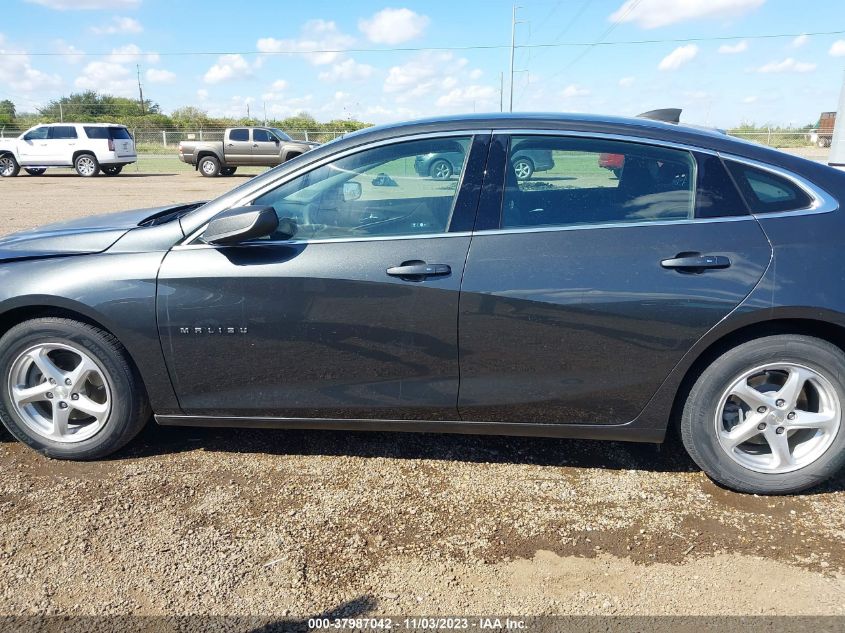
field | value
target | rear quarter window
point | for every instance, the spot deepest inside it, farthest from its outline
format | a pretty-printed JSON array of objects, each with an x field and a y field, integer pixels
[
  {"x": 120, "y": 134},
  {"x": 766, "y": 192}
]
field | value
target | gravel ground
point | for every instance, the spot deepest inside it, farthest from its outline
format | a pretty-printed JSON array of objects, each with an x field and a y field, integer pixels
[{"x": 292, "y": 523}]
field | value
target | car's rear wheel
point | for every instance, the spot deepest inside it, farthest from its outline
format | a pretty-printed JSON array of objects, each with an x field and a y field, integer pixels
[
  {"x": 209, "y": 166},
  {"x": 9, "y": 166},
  {"x": 112, "y": 170},
  {"x": 523, "y": 168},
  {"x": 34, "y": 172},
  {"x": 766, "y": 416},
  {"x": 228, "y": 171},
  {"x": 440, "y": 170},
  {"x": 68, "y": 389},
  {"x": 86, "y": 165}
]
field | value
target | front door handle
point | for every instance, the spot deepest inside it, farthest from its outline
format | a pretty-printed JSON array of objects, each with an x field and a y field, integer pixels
[
  {"x": 694, "y": 262},
  {"x": 417, "y": 271}
]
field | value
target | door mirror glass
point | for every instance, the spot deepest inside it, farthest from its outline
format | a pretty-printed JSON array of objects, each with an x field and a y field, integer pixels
[
  {"x": 241, "y": 224},
  {"x": 352, "y": 191}
]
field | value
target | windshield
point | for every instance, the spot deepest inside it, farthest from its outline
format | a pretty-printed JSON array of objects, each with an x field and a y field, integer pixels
[{"x": 282, "y": 136}]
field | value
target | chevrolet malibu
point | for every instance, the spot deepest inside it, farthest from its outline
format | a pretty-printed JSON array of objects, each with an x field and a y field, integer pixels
[{"x": 701, "y": 289}]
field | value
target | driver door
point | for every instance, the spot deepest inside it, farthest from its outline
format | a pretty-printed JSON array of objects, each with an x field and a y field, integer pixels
[{"x": 353, "y": 317}]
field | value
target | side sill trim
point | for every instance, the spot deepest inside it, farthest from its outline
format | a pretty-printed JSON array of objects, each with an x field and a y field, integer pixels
[{"x": 618, "y": 432}]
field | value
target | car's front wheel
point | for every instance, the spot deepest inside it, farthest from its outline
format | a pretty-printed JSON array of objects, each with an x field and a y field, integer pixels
[
  {"x": 440, "y": 170},
  {"x": 68, "y": 389},
  {"x": 112, "y": 170},
  {"x": 9, "y": 166},
  {"x": 766, "y": 416},
  {"x": 228, "y": 171}
]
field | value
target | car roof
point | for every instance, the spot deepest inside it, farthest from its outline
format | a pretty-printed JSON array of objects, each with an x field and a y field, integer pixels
[{"x": 85, "y": 124}]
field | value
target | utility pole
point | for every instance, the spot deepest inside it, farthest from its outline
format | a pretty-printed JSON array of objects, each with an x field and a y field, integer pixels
[
  {"x": 501, "y": 91},
  {"x": 513, "y": 47},
  {"x": 247, "y": 111},
  {"x": 140, "y": 89},
  {"x": 61, "y": 112},
  {"x": 265, "y": 114}
]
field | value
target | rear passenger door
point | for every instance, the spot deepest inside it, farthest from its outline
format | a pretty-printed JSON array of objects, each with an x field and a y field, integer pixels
[
  {"x": 238, "y": 147},
  {"x": 582, "y": 290}
]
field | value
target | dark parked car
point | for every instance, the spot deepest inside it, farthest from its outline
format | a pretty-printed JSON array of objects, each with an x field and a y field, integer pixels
[
  {"x": 443, "y": 165},
  {"x": 702, "y": 288}
]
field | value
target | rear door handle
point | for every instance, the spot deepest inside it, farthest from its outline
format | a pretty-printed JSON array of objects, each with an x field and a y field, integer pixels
[
  {"x": 685, "y": 263},
  {"x": 417, "y": 271}
]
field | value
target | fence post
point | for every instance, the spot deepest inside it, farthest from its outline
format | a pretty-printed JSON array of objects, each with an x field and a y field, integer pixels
[
  {"x": 306, "y": 136},
  {"x": 769, "y": 136},
  {"x": 164, "y": 137},
  {"x": 200, "y": 134}
]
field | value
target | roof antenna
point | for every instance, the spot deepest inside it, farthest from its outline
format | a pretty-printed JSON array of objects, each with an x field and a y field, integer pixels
[{"x": 667, "y": 115}]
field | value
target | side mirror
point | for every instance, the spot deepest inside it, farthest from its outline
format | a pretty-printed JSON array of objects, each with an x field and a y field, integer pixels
[
  {"x": 352, "y": 191},
  {"x": 241, "y": 224}
]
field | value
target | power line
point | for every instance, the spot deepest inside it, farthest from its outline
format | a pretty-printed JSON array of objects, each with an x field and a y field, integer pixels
[{"x": 315, "y": 51}]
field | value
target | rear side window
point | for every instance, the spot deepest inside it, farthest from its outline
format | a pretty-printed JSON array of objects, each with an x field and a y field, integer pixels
[
  {"x": 766, "y": 192},
  {"x": 561, "y": 181},
  {"x": 239, "y": 135},
  {"x": 61, "y": 132},
  {"x": 96, "y": 132},
  {"x": 716, "y": 195}
]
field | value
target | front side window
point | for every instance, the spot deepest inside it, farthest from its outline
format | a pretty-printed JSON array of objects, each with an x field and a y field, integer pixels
[
  {"x": 262, "y": 136},
  {"x": 38, "y": 134},
  {"x": 382, "y": 191},
  {"x": 766, "y": 192},
  {"x": 239, "y": 135},
  {"x": 561, "y": 181},
  {"x": 63, "y": 132}
]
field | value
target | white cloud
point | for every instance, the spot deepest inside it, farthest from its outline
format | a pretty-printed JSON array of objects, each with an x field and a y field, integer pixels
[
  {"x": 70, "y": 53},
  {"x": 750, "y": 99},
  {"x": 131, "y": 53},
  {"x": 678, "y": 57},
  {"x": 108, "y": 77},
  {"x": 837, "y": 49},
  {"x": 733, "y": 49},
  {"x": 788, "y": 65},
  {"x": 799, "y": 41},
  {"x": 475, "y": 73},
  {"x": 118, "y": 25},
  {"x": 347, "y": 70},
  {"x": 475, "y": 96},
  {"x": 228, "y": 67},
  {"x": 17, "y": 73},
  {"x": 393, "y": 26},
  {"x": 650, "y": 14},
  {"x": 574, "y": 90},
  {"x": 85, "y": 5},
  {"x": 160, "y": 76},
  {"x": 320, "y": 35},
  {"x": 280, "y": 84},
  {"x": 202, "y": 94},
  {"x": 627, "y": 82},
  {"x": 423, "y": 74}
]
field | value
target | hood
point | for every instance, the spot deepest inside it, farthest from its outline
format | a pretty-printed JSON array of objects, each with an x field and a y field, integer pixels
[{"x": 88, "y": 235}]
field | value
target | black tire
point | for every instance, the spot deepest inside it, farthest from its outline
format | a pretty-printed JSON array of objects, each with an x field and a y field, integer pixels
[
  {"x": 9, "y": 167},
  {"x": 130, "y": 409},
  {"x": 228, "y": 171},
  {"x": 34, "y": 172},
  {"x": 209, "y": 166},
  {"x": 617, "y": 171},
  {"x": 441, "y": 169},
  {"x": 524, "y": 168},
  {"x": 86, "y": 165},
  {"x": 698, "y": 422},
  {"x": 112, "y": 170}
]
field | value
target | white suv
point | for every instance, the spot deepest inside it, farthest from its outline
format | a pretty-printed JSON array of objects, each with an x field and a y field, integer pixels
[{"x": 87, "y": 147}]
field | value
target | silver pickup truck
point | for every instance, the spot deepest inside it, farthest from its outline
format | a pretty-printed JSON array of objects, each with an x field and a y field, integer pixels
[{"x": 253, "y": 146}]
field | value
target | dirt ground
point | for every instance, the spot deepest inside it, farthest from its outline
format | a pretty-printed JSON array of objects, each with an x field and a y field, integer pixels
[{"x": 293, "y": 523}]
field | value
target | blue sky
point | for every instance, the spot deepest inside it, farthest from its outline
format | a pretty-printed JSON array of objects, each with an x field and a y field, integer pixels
[{"x": 54, "y": 47}]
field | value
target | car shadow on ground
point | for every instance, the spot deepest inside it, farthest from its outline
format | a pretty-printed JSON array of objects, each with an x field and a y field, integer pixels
[{"x": 101, "y": 177}]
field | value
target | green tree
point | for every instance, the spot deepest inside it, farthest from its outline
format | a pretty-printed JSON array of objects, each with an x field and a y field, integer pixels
[
  {"x": 92, "y": 106},
  {"x": 7, "y": 112},
  {"x": 190, "y": 117}
]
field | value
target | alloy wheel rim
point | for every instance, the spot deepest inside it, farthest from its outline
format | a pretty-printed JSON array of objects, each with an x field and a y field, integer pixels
[
  {"x": 86, "y": 165},
  {"x": 59, "y": 392},
  {"x": 441, "y": 171},
  {"x": 522, "y": 170},
  {"x": 6, "y": 166},
  {"x": 778, "y": 418}
]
